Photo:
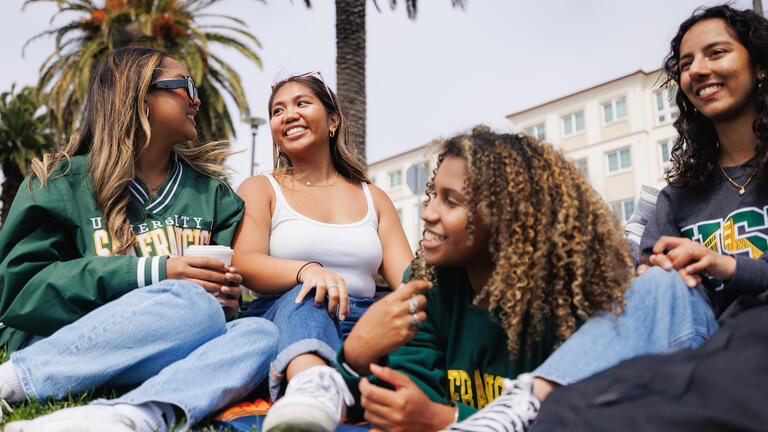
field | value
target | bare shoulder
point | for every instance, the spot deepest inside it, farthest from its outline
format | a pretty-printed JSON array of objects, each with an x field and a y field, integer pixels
[
  {"x": 381, "y": 200},
  {"x": 378, "y": 195},
  {"x": 256, "y": 187}
]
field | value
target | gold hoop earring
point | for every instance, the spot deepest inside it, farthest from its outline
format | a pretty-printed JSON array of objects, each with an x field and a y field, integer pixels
[{"x": 333, "y": 132}]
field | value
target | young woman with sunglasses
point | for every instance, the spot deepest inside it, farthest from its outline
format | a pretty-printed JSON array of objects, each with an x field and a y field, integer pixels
[
  {"x": 95, "y": 290},
  {"x": 314, "y": 230}
]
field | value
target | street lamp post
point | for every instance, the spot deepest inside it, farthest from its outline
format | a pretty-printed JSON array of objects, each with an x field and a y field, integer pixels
[{"x": 255, "y": 122}]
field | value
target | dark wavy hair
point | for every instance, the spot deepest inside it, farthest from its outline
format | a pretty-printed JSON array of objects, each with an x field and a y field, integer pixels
[
  {"x": 695, "y": 155},
  {"x": 559, "y": 253}
]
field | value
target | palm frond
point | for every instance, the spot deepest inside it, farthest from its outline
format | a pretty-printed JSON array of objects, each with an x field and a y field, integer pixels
[
  {"x": 234, "y": 43},
  {"x": 168, "y": 25}
]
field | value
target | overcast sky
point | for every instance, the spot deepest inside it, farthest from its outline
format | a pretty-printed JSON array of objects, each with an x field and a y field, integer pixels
[{"x": 434, "y": 76}]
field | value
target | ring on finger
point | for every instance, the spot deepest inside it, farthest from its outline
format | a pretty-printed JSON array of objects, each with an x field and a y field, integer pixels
[
  {"x": 413, "y": 304},
  {"x": 331, "y": 286},
  {"x": 414, "y": 324}
]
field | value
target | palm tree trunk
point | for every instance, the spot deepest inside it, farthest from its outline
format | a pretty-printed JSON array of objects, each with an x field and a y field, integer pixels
[
  {"x": 13, "y": 179},
  {"x": 350, "y": 68}
]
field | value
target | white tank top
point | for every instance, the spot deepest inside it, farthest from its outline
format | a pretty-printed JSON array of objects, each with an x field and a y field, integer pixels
[{"x": 353, "y": 250}]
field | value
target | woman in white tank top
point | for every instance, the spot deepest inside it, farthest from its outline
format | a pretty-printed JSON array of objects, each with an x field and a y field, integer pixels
[{"x": 312, "y": 239}]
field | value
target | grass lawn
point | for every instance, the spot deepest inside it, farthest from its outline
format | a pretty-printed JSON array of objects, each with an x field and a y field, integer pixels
[{"x": 31, "y": 408}]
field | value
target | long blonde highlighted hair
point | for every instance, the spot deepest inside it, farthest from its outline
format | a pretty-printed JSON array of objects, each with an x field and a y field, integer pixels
[
  {"x": 115, "y": 131},
  {"x": 559, "y": 253}
]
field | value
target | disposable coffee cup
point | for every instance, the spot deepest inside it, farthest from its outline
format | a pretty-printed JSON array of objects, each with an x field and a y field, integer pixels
[{"x": 221, "y": 253}]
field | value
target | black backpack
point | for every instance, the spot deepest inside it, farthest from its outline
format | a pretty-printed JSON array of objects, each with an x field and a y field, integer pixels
[{"x": 720, "y": 386}]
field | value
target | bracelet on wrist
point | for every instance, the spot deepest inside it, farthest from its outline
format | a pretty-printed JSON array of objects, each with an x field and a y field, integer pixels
[
  {"x": 350, "y": 370},
  {"x": 455, "y": 411},
  {"x": 298, "y": 273}
]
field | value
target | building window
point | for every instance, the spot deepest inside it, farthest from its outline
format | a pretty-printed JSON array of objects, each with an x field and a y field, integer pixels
[
  {"x": 615, "y": 110},
  {"x": 664, "y": 103},
  {"x": 395, "y": 179},
  {"x": 623, "y": 210},
  {"x": 581, "y": 164},
  {"x": 537, "y": 132},
  {"x": 573, "y": 123},
  {"x": 619, "y": 160},
  {"x": 665, "y": 153}
]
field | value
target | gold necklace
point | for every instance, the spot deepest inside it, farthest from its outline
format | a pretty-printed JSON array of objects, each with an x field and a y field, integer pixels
[
  {"x": 330, "y": 183},
  {"x": 741, "y": 187},
  {"x": 154, "y": 189}
]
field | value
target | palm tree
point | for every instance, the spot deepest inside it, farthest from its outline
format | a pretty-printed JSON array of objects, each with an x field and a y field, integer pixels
[
  {"x": 168, "y": 25},
  {"x": 24, "y": 135},
  {"x": 350, "y": 61}
]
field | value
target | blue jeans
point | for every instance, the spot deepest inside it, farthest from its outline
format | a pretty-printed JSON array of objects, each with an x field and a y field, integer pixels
[
  {"x": 304, "y": 328},
  {"x": 661, "y": 313},
  {"x": 170, "y": 337}
]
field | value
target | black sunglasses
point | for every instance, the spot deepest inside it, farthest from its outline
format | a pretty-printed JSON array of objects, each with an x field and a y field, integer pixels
[{"x": 171, "y": 84}]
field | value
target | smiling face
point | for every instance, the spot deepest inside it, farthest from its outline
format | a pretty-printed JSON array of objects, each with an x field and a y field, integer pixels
[
  {"x": 299, "y": 120},
  {"x": 446, "y": 240},
  {"x": 716, "y": 72},
  {"x": 171, "y": 112}
]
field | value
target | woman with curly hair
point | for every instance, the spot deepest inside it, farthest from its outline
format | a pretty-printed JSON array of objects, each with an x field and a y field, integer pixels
[
  {"x": 521, "y": 252},
  {"x": 712, "y": 216}
]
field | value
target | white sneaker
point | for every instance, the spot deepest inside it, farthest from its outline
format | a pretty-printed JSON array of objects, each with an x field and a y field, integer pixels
[
  {"x": 88, "y": 418},
  {"x": 513, "y": 411},
  {"x": 314, "y": 401},
  {"x": 6, "y": 394}
]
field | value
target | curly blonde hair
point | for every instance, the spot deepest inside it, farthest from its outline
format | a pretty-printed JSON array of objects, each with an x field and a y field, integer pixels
[{"x": 560, "y": 255}]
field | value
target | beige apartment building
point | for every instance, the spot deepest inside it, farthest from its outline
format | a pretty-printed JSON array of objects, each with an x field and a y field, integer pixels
[
  {"x": 619, "y": 133},
  {"x": 404, "y": 177}
]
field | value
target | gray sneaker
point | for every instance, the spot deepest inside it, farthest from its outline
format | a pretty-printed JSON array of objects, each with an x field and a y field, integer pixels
[
  {"x": 514, "y": 410},
  {"x": 314, "y": 401},
  {"x": 644, "y": 211}
]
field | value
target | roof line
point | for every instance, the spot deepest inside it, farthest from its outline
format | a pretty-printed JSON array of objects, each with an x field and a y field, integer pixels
[
  {"x": 400, "y": 154},
  {"x": 583, "y": 91}
]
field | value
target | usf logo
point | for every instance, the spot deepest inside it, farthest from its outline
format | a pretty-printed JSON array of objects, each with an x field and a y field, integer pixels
[{"x": 738, "y": 234}]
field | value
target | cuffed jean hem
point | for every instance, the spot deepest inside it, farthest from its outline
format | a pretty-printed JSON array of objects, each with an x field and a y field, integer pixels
[
  {"x": 219, "y": 372},
  {"x": 121, "y": 342},
  {"x": 661, "y": 313},
  {"x": 689, "y": 340},
  {"x": 281, "y": 361}
]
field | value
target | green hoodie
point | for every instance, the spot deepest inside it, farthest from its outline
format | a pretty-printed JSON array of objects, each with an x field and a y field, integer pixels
[
  {"x": 460, "y": 353},
  {"x": 54, "y": 247}
]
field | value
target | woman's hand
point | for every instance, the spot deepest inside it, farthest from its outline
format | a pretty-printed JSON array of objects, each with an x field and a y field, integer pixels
[
  {"x": 325, "y": 282},
  {"x": 229, "y": 299},
  {"x": 220, "y": 280},
  {"x": 386, "y": 326},
  {"x": 688, "y": 258},
  {"x": 406, "y": 408}
]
